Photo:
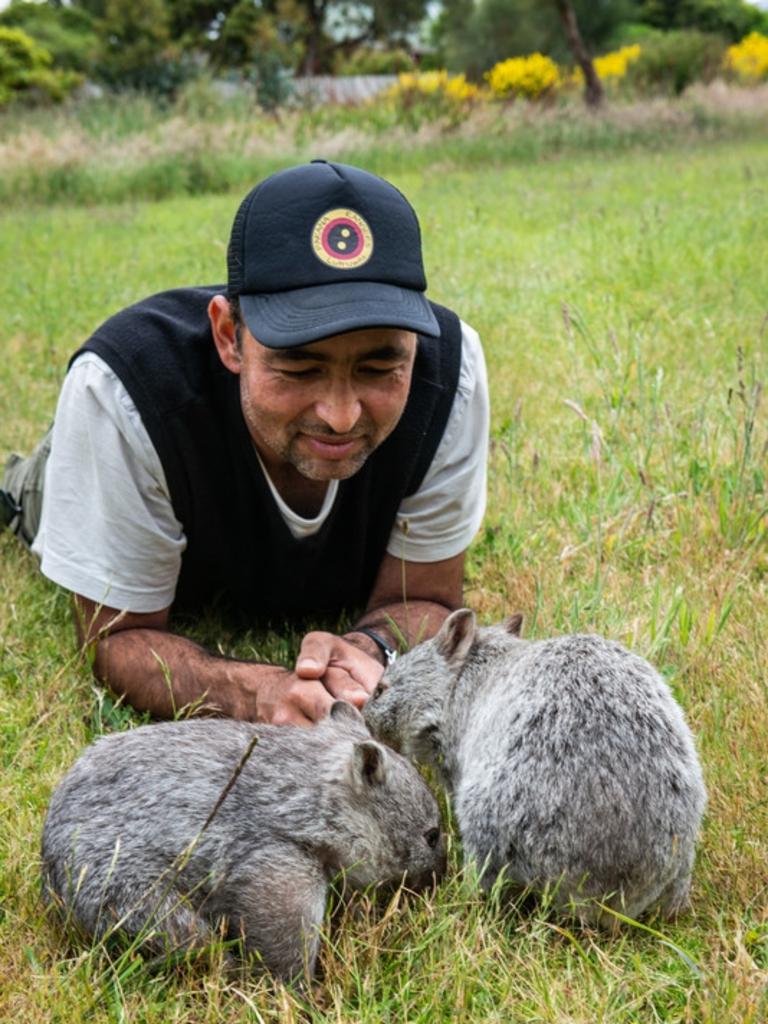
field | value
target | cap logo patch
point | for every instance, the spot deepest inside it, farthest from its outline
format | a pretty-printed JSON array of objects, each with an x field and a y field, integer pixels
[{"x": 342, "y": 239}]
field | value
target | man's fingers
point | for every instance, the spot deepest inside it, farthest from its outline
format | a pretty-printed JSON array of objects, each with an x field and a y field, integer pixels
[
  {"x": 315, "y": 653},
  {"x": 293, "y": 701},
  {"x": 322, "y": 653},
  {"x": 290, "y": 716},
  {"x": 310, "y": 698},
  {"x": 310, "y": 668},
  {"x": 341, "y": 686}
]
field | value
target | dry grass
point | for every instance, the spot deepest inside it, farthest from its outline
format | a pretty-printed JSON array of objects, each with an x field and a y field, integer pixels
[{"x": 116, "y": 149}]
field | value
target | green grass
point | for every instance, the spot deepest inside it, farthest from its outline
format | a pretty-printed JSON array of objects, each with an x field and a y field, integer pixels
[{"x": 622, "y": 301}]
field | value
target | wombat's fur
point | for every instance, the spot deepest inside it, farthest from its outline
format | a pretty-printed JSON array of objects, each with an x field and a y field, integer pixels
[
  {"x": 570, "y": 763},
  {"x": 123, "y": 848}
]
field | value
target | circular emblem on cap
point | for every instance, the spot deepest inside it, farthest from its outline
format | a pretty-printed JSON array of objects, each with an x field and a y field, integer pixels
[{"x": 342, "y": 239}]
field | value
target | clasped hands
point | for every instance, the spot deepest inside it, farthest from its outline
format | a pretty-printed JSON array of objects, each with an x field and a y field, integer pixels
[{"x": 328, "y": 668}]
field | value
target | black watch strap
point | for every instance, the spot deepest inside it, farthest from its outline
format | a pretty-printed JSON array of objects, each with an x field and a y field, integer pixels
[{"x": 390, "y": 654}]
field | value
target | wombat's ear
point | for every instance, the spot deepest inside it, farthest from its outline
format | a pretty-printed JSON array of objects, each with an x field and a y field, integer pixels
[
  {"x": 514, "y": 624},
  {"x": 369, "y": 766},
  {"x": 455, "y": 637},
  {"x": 346, "y": 712}
]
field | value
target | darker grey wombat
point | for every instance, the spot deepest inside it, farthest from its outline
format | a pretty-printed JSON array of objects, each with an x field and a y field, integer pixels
[
  {"x": 569, "y": 761},
  {"x": 124, "y": 846}
]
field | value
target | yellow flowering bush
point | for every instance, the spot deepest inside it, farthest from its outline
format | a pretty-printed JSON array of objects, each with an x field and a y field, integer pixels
[
  {"x": 748, "y": 60},
  {"x": 458, "y": 88},
  {"x": 532, "y": 77},
  {"x": 615, "y": 63},
  {"x": 611, "y": 67},
  {"x": 412, "y": 85},
  {"x": 419, "y": 96}
]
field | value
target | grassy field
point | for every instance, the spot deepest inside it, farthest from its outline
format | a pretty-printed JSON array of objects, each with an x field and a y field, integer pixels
[{"x": 622, "y": 299}]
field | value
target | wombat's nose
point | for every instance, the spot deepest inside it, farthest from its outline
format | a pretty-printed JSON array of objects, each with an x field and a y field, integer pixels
[
  {"x": 426, "y": 879},
  {"x": 441, "y": 865}
]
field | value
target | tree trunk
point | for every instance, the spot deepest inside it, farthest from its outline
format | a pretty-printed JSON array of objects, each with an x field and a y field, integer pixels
[
  {"x": 593, "y": 87},
  {"x": 316, "y": 17}
]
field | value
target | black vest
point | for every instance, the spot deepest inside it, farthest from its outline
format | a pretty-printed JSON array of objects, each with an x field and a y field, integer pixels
[{"x": 240, "y": 554}]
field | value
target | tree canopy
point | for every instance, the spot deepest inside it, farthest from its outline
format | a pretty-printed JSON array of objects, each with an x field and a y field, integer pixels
[{"x": 155, "y": 44}]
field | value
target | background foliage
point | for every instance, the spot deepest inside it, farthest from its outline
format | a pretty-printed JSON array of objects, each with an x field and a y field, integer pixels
[{"x": 157, "y": 45}]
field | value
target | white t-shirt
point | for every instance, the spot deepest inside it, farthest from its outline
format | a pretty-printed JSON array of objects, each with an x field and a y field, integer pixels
[{"x": 108, "y": 530}]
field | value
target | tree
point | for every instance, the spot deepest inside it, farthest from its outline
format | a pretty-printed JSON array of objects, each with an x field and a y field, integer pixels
[
  {"x": 122, "y": 43},
  {"x": 265, "y": 47},
  {"x": 593, "y": 89},
  {"x": 67, "y": 33},
  {"x": 145, "y": 43},
  {"x": 138, "y": 51},
  {"x": 475, "y": 36},
  {"x": 343, "y": 25},
  {"x": 305, "y": 33},
  {"x": 732, "y": 19}
]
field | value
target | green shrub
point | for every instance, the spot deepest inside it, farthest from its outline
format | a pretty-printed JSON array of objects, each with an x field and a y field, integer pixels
[
  {"x": 204, "y": 98},
  {"x": 272, "y": 79},
  {"x": 731, "y": 19},
  {"x": 669, "y": 63},
  {"x": 25, "y": 70},
  {"x": 137, "y": 51},
  {"x": 366, "y": 61},
  {"x": 67, "y": 33}
]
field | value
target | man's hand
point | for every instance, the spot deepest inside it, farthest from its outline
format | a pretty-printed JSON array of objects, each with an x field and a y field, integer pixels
[
  {"x": 163, "y": 673},
  {"x": 345, "y": 671},
  {"x": 283, "y": 698}
]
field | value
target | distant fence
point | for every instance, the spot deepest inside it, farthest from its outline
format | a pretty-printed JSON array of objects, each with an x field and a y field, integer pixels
[{"x": 349, "y": 89}]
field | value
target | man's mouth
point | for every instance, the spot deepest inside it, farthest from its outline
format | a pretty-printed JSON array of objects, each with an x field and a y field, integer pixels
[{"x": 330, "y": 447}]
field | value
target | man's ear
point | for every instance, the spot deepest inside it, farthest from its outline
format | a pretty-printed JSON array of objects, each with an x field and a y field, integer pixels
[{"x": 224, "y": 334}]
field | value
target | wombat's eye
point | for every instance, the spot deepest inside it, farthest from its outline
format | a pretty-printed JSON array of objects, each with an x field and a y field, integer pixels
[
  {"x": 432, "y": 837},
  {"x": 381, "y": 688}
]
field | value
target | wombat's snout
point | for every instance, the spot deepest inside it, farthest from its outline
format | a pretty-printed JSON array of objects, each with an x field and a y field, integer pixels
[{"x": 433, "y": 871}]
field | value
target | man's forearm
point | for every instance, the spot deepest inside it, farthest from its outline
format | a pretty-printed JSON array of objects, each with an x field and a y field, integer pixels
[
  {"x": 163, "y": 673},
  {"x": 404, "y": 624}
]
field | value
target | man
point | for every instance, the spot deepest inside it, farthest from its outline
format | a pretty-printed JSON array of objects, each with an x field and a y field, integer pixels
[{"x": 309, "y": 439}]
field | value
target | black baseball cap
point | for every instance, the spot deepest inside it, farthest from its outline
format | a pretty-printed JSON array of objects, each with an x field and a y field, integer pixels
[{"x": 326, "y": 248}]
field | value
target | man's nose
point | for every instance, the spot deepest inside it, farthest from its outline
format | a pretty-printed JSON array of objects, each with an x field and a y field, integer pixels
[{"x": 339, "y": 407}]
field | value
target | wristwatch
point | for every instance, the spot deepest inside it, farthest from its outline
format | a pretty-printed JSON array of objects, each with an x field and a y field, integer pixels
[{"x": 390, "y": 654}]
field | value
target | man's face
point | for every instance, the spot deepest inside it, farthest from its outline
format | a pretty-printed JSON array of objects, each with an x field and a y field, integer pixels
[{"x": 324, "y": 407}]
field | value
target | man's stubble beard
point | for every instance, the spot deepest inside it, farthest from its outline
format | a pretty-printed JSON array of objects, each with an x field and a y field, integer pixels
[
  {"x": 366, "y": 430},
  {"x": 319, "y": 469},
  {"x": 283, "y": 445}
]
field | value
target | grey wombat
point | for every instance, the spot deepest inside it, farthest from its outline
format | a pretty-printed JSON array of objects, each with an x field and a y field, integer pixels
[
  {"x": 124, "y": 845},
  {"x": 570, "y": 763}
]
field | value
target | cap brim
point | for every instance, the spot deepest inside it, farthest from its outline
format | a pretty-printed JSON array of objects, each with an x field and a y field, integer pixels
[{"x": 287, "y": 319}]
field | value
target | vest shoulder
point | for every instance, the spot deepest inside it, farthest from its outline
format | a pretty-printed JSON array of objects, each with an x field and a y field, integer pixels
[
  {"x": 161, "y": 345},
  {"x": 181, "y": 310}
]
